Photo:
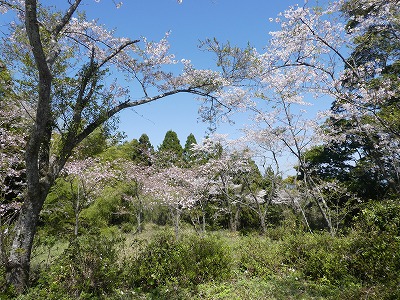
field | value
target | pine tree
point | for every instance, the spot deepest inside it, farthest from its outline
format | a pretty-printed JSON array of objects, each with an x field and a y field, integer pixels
[
  {"x": 187, "y": 151},
  {"x": 170, "y": 151},
  {"x": 172, "y": 144}
]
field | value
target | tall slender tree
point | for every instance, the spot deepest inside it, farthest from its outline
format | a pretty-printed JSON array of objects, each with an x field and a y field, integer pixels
[
  {"x": 170, "y": 151},
  {"x": 188, "y": 149}
]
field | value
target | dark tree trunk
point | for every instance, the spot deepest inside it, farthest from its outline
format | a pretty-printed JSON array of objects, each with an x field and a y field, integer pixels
[
  {"x": 176, "y": 220},
  {"x": 37, "y": 162},
  {"x": 18, "y": 264},
  {"x": 234, "y": 218}
]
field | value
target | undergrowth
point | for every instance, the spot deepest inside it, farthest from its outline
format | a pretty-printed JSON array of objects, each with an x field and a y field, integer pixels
[{"x": 362, "y": 264}]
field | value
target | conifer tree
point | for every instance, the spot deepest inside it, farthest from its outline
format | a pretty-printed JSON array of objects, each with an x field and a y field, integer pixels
[
  {"x": 187, "y": 151},
  {"x": 171, "y": 143}
]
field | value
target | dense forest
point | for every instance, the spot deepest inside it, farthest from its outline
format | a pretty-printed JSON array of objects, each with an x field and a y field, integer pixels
[{"x": 87, "y": 214}]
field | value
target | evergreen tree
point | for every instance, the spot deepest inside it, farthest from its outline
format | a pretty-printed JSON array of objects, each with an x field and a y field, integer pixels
[
  {"x": 144, "y": 141},
  {"x": 187, "y": 151},
  {"x": 171, "y": 144},
  {"x": 142, "y": 150}
]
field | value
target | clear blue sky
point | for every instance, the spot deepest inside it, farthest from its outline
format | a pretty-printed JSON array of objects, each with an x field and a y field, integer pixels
[{"x": 239, "y": 21}]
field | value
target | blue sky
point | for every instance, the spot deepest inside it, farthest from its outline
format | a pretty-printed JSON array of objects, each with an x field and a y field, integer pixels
[{"x": 237, "y": 21}]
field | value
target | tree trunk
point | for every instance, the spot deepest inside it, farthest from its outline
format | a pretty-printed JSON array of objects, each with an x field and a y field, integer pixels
[
  {"x": 262, "y": 223},
  {"x": 305, "y": 218},
  {"x": 176, "y": 217},
  {"x": 321, "y": 203},
  {"x": 324, "y": 209},
  {"x": 139, "y": 220},
  {"x": 36, "y": 159},
  {"x": 237, "y": 217},
  {"x": 234, "y": 218},
  {"x": 18, "y": 264},
  {"x": 203, "y": 216}
]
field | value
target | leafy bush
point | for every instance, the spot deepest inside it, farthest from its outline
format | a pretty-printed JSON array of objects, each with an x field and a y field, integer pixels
[
  {"x": 184, "y": 263},
  {"x": 260, "y": 257},
  {"x": 87, "y": 268},
  {"x": 6, "y": 291},
  {"x": 380, "y": 217},
  {"x": 101, "y": 213},
  {"x": 375, "y": 252},
  {"x": 320, "y": 257}
]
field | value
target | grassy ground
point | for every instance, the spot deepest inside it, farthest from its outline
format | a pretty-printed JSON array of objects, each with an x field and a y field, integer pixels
[{"x": 278, "y": 266}]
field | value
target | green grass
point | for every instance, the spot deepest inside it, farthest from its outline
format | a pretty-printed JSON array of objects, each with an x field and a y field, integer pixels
[
  {"x": 285, "y": 266},
  {"x": 44, "y": 254},
  {"x": 288, "y": 287}
]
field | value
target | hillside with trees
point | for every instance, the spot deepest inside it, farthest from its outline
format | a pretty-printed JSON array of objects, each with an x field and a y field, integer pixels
[{"x": 87, "y": 214}]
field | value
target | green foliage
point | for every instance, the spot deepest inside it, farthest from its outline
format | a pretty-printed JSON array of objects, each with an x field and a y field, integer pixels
[
  {"x": 329, "y": 162},
  {"x": 88, "y": 268},
  {"x": 260, "y": 257},
  {"x": 187, "y": 151},
  {"x": 94, "y": 144},
  {"x": 370, "y": 169},
  {"x": 249, "y": 221},
  {"x": 170, "y": 150},
  {"x": 144, "y": 151},
  {"x": 6, "y": 291},
  {"x": 375, "y": 253},
  {"x": 5, "y": 82},
  {"x": 138, "y": 151},
  {"x": 101, "y": 213},
  {"x": 122, "y": 151},
  {"x": 171, "y": 143},
  {"x": 289, "y": 287},
  {"x": 296, "y": 265},
  {"x": 184, "y": 263},
  {"x": 319, "y": 257},
  {"x": 379, "y": 218},
  {"x": 57, "y": 215}
]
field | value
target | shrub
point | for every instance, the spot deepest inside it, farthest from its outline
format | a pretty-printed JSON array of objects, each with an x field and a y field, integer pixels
[
  {"x": 260, "y": 257},
  {"x": 320, "y": 257},
  {"x": 6, "y": 291},
  {"x": 87, "y": 268},
  {"x": 375, "y": 251},
  {"x": 184, "y": 263}
]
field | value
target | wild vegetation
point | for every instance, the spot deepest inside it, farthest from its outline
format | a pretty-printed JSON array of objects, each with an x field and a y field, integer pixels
[{"x": 87, "y": 215}]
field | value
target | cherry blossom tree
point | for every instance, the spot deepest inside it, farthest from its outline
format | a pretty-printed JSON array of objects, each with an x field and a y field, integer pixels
[
  {"x": 173, "y": 187},
  {"x": 307, "y": 59},
  {"x": 372, "y": 112},
  {"x": 135, "y": 177},
  {"x": 363, "y": 86},
  {"x": 11, "y": 155},
  {"x": 201, "y": 186},
  {"x": 89, "y": 177},
  {"x": 61, "y": 60},
  {"x": 233, "y": 179},
  {"x": 13, "y": 125},
  {"x": 293, "y": 198},
  {"x": 221, "y": 164},
  {"x": 258, "y": 193}
]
